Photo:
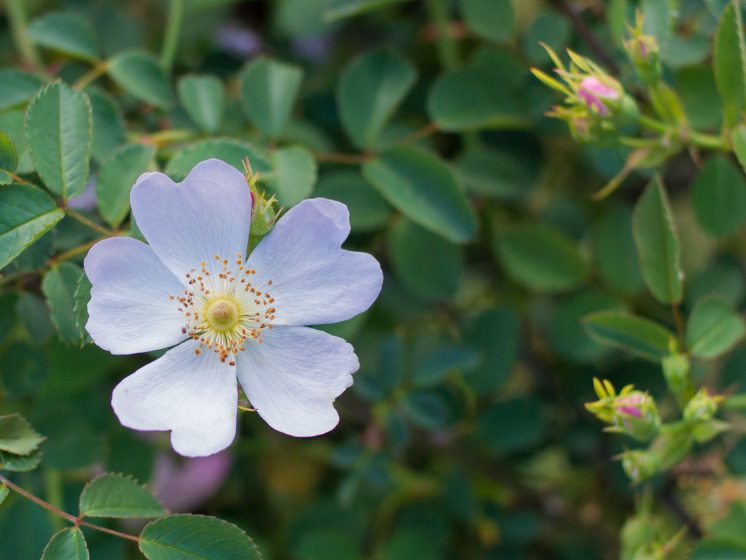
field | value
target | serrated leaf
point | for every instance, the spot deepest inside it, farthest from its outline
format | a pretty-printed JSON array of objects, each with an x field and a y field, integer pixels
[
  {"x": 8, "y": 159},
  {"x": 719, "y": 196},
  {"x": 18, "y": 87},
  {"x": 203, "y": 97},
  {"x": 117, "y": 176},
  {"x": 369, "y": 92},
  {"x": 729, "y": 63},
  {"x": 20, "y": 463},
  {"x": 66, "y": 33},
  {"x": 490, "y": 19},
  {"x": 293, "y": 174},
  {"x": 658, "y": 245},
  {"x": 196, "y": 537},
  {"x": 116, "y": 495},
  {"x": 541, "y": 258},
  {"x": 341, "y": 9},
  {"x": 139, "y": 74},
  {"x": 59, "y": 130},
  {"x": 268, "y": 91},
  {"x": 637, "y": 335},
  {"x": 26, "y": 213},
  {"x": 713, "y": 328},
  {"x": 58, "y": 286},
  {"x": 17, "y": 436},
  {"x": 67, "y": 544},
  {"x": 422, "y": 188},
  {"x": 230, "y": 151},
  {"x": 80, "y": 307},
  {"x": 108, "y": 124}
]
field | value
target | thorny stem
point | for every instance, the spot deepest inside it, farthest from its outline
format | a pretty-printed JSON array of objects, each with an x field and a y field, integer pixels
[
  {"x": 77, "y": 521},
  {"x": 171, "y": 39},
  {"x": 17, "y": 17},
  {"x": 90, "y": 223}
]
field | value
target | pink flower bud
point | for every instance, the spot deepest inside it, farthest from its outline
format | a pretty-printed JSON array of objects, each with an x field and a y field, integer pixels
[
  {"x": 630, "y": 405},
  {"x": 594, "y": 92}
]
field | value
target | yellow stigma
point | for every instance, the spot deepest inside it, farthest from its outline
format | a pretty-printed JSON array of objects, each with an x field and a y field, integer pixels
[{"x": 222, "y": 314}]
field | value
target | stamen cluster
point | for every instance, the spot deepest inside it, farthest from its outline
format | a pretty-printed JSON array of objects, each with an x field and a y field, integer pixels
[{"x": 233, "y": 292}]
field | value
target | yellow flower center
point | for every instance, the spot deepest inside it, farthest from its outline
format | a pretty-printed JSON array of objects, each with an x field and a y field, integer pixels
[
  {"x": 222, "y": 314},
  {"x": 224, "y": 308}
]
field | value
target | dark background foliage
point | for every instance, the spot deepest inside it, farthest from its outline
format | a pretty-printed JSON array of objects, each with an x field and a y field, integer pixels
[{"x": 465, "y": 434}]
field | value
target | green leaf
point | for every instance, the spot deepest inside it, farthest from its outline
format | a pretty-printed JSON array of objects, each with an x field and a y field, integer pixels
[
  {"x": 17, "y": 436},
  {"x": 719, "y": 196},
  {"x": 80, "y": 307},
  {"x": 230, "y": 151},
  {"x": 490, "y": 19},
  {"x": 26, "y": 213},
  {"x": 139, "y": 74},
  {"x": 3, "y": 493},
  {"x": 340, "y": 9},
  {"x": 196, "y": 537},
  {"x": 427, "y": 264},
  {"x": 67, "y": 544},
  {"x": 368, "y": 210},
  {"x": 203, "y": 97},
  {"x": 443, "y": 362},
  {"x": 658, "y": 245},
  {"x": 614, "y": 250},
  {"x": 427, "y": 409},
  {"x": 495, "y": 174},
  {"x": 268, "y": 91},
  {"x": 66, "y": 33},
  {"x": 637, "y": 335},
  {"x": 293, "y": 174},
  {"x": 729, "y": 62},
  {"x": 472, "y": 99},
  {"x": 116, "y": 495},
  {"x": 541, "y": 258},
  {"x": 496, "y": 335},
  {"x": 713, "y": 328},
  {"x": 738, "y": 137},
  {"x": 369, "y": 92},
  {"x": 419, "y": 185},
  {"x": 512, "y": 425},
  {"x": 8, "y": 158},
  {"x": 117, "y": 176},
  {"x": 59, "y": 285},
  {"x": 108, "y": 125},
  {"x": 20, "y": 463},
  {"x": 18, "y": 87},
  {"x": 59, "y": 130}
]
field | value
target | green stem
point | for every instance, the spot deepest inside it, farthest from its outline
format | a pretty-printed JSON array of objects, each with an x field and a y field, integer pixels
[
  {"x": 98, "y": 70},
  {"x": 77, "y": 521},
  {"x": 74, "y": 214},
  {"x": 654, "y": 124},
  {"x": 709, "y": 141},
  {"x": 447, "y": 47},
  {"x": 16, "y": 10},
  {"x": 173, "y": 29}
]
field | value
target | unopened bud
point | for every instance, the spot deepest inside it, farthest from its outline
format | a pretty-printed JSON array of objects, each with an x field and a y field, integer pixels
[
  {"x": 637, "y": 416},
  {"x": 639, "y": 465},
  {"x": 598, "y": 96},
  {"x": 702, "y": 406},
  {"x": 263, "y": 212},
  {"x": 643, "y": 51}
]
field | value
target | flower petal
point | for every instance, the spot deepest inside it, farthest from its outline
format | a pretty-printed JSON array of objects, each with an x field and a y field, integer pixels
[
  {"x": 130, "y": 310},
  {"x": 314, "y": 281},
  {"x": 207, "y": 214},
  {"x": 194, "y": 396},
  {"x": 293, "y": 376}
]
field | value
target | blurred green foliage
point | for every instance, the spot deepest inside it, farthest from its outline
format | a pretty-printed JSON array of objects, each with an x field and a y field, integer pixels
[{"x": 508, "y": 286}]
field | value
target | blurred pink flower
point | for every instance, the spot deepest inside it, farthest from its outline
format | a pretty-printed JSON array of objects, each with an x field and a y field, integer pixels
[
  {"x": 594, "y": 92},
  {"x": 188, "y": 484}
]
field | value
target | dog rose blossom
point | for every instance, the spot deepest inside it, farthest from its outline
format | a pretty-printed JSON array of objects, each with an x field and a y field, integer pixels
[{"x": 227, "y": 319}]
